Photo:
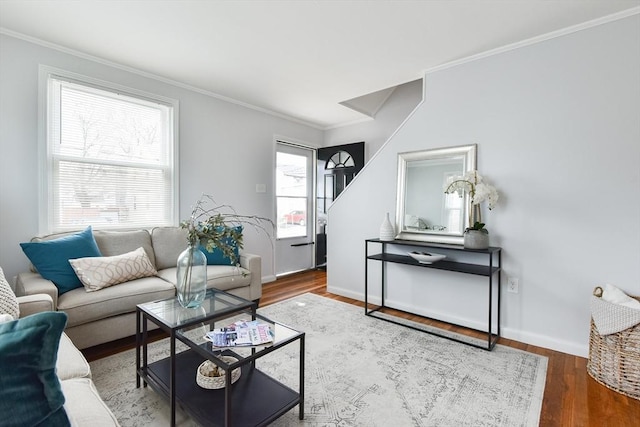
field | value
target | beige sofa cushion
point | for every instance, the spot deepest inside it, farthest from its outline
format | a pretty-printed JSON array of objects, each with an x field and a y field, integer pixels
[
  {"x": 83, "y": 307},
  {"x": 225, "y": 277},
  {"x": 113, "y": 243},
  {"x": 221, "y": 277},
  {"x": 84, "y": 406},
  {"x": 168, "y": 243},
  {"x": 71, "y": 363}
]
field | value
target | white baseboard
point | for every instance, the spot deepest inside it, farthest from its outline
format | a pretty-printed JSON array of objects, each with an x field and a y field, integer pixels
[
  {"x": 573, "y": 348},
  {"x": 267, "y": 279},
  {"x": 349, "y": 294},
  {"x": 411, "y": 309}
]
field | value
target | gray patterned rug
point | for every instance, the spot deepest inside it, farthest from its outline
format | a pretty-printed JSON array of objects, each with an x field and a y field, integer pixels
[{"x": 362, "y": 371}]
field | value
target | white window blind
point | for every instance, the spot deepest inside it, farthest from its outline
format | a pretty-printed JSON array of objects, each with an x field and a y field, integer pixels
[{"x": 110, "y": 158}]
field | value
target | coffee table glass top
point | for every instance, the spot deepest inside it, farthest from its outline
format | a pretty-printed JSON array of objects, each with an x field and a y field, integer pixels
[
  {"x": 196, "y": 334},
  {"x": 216, "y": 303}
]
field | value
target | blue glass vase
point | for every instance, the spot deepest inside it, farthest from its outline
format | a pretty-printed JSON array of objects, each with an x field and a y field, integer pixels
[{"x": 191, "y": 283}]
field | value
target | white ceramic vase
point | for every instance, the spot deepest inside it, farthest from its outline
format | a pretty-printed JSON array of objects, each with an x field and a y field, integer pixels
[{"x": 387, "y": 231}]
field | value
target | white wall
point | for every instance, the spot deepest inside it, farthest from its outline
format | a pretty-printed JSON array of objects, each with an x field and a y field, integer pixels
[
  {"x": 557, "y": 125},
  {"x": 376, "y": 131},
  {"x": 225, "y": 149}
]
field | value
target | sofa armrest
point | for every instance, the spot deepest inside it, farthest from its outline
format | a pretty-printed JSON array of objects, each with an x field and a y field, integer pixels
[
  {"x": 33, "y": 284},
  {"x": 253, "y": 263},
  {"x": 31, "y": 304}
]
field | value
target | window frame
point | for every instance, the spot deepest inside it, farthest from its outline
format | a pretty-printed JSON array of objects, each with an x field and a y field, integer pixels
[
  {"x": 45, "y": 157},
  {"x": 282, "y": 149}
]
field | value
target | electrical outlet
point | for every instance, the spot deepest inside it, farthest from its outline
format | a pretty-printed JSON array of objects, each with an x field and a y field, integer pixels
[{"x": 512, "y": 285}]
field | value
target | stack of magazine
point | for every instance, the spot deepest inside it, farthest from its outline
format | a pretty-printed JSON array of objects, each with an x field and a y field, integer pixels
[{"x": 241, "y": 334}]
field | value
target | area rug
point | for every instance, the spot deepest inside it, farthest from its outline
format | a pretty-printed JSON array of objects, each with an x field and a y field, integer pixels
[{"x": 362, "y": 371}]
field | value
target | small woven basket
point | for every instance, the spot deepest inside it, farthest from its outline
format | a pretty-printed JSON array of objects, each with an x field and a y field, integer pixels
[
  {"x": 215, "y": 382},
  {"x": 614, "y": 359}
]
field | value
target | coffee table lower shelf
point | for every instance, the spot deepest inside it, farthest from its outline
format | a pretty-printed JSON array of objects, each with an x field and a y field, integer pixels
[{"x": 256, "y": 398}]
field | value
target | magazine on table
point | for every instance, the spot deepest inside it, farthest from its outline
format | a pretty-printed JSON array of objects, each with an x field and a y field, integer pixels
[{"x": 241, "y": 334}]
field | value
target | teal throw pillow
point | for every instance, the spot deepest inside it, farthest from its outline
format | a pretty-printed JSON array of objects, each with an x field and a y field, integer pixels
[
  {"x": 51, "y": 257},
  {"x": 30, "y": 392},
  {"x": 217, "y": 257}
]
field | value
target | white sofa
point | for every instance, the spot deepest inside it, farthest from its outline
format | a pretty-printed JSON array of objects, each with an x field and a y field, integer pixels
[
  {"x": 82, "y": 403},
  {"x": 109, "y": 314}
]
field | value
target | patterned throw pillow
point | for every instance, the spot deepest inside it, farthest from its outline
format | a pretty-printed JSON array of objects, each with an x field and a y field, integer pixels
[
  {"x": 8, "y": 301},
  {"x": 97, "y": 273}
]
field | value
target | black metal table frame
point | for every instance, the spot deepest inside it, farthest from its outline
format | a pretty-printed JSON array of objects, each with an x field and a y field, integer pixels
[
  {"x": 242, "y": 360},
  {"x": 488, "y": 271},
  {"x": 142, "y": 359}
]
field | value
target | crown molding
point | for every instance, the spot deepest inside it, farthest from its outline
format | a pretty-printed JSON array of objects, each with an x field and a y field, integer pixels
[
  {"x": 152, "y": 76},
  {"x": 538, "y": 39}
]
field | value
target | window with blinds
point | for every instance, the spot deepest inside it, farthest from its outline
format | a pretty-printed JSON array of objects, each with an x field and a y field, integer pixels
[{"x": 109, "y": 158}]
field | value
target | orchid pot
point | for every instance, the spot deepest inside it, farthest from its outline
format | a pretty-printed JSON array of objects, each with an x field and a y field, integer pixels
[{"x": 475, "y": 236}]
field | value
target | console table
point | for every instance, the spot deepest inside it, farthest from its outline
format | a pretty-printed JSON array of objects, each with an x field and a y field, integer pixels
[{"x": 490, "y": 270}]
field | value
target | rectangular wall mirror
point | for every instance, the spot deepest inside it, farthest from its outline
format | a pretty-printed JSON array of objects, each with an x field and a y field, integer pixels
[{"x": 424, "y": 212}]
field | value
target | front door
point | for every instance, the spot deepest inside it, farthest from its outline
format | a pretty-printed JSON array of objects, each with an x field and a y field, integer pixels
[
  {"x": 336, "y": 168},
  {"x": 294, "y": 208}
]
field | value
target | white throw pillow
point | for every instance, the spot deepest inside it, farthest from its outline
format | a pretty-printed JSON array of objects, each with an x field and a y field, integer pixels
[
  {"x": 615, "y": 295},
  {"x": 97, "y": 273},
  {"x": 8, "y": 301}
]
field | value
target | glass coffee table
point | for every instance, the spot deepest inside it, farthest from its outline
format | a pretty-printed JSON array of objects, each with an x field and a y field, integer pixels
[{"x": 255, "y": 399}]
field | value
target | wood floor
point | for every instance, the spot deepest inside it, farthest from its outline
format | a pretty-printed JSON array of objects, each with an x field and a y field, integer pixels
[{"x": 571, "y": 397}]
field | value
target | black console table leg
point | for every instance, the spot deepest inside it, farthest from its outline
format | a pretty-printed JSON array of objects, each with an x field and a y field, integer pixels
[{"x": 301, "y": 405}]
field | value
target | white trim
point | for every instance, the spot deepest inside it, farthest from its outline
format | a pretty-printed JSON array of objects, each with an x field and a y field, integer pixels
[
  {"x": 574, "y": 348},
  {"x": 149, "y": 75},
  {"x": 43, "y": 220},
  {"x": 569, "y": 347},
  {"x": 175, "y": 127},
  {"x": 444, "y": 317},
  {"x": 293, "y": 141},
  {"x": 351, "y": 123},
  {"x": 303, "y": 145},
  {"x": 538, "y": 39},
  {"x": 104, "y": 84},
  {"x": 352, "y": 294},
  {"x": 558, "y": 33},
  {"x": 268, "y": 279}
]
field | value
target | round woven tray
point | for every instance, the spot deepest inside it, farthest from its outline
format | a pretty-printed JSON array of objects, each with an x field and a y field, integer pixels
[{"x": 215, "y": 382}]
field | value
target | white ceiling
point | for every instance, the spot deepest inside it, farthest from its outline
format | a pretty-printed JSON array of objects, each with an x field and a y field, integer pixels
[{"x": 296, "y": 58}]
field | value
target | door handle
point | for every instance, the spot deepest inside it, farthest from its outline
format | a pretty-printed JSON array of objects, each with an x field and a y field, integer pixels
[{"x": 302, "y": 244}]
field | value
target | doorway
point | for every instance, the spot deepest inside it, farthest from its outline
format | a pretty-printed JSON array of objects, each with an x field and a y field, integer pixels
[
  {"x": 294, "y": 194},
  {"x": 336, "y": 168}
]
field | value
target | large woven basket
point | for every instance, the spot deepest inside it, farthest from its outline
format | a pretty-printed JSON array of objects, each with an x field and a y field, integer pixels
[{"x": 614, "y": 359}]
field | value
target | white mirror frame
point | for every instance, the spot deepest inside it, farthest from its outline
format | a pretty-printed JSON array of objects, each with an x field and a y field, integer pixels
[{"x": 468, "y": 155}]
